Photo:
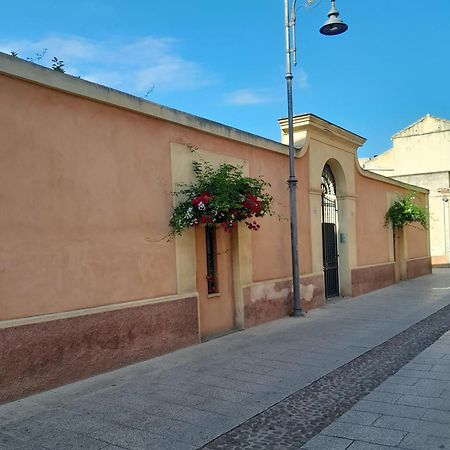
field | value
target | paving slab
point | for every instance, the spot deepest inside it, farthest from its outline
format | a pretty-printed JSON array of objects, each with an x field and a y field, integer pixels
[
  {"x": 391, "y": 409},
  {"x": 360, "y": 417},
  {"x": 359, "y": 445},
  {"x": 370, "y": 434},
  {"x": 419, "y": 441},
  {"x": 330, "y": 443}
]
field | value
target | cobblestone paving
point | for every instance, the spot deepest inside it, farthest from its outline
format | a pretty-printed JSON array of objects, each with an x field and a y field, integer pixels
[{"x": 292, "y": 422}]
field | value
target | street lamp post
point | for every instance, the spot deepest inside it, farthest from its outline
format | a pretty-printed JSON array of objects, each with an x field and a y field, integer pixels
[{"x": 332, "y": 26}]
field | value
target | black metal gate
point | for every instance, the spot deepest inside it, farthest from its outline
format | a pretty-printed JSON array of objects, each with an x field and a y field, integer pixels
[
  {"x": 329, "y": 234},
  {"x": 330, "y": 249}
]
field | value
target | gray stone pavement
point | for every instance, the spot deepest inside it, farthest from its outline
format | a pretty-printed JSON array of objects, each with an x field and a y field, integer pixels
[
  {"x": 295, "y": 420},
  {"x": 187, "y": 398},
  {"x": 410, "y": 410}
]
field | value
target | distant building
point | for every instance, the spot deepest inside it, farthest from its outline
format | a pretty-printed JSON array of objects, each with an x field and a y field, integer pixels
[{"x": 420, "y": 155}]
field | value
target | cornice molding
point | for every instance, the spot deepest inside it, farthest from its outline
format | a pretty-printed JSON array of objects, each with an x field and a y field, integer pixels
[{"x": 312, "y": 122}]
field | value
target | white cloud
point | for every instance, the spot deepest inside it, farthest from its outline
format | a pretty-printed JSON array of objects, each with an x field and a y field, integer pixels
[
  {"x": 171, "y": 72},
  {"x": 133, "y": 66},
  {"x": 76, "y": 48},
  {"x": 148, "y": 48},
  {"x": 301, "y": 79},
  {"x": 246, "y": 97},
  {"x": 102, "y": 77}
]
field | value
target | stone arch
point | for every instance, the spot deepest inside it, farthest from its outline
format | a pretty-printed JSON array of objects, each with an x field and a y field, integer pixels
[
  {"x": 324, "y": 142},
  {"x": 344, "y": 219},
  {"x": 339, "y": 176},
  {"x": 346, "y": 206}
]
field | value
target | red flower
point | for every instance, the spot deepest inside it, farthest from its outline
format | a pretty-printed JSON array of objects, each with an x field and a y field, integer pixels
[
  {"x": 204, "y": 197},
  {"x": 205, "y": 219},
  {"x": 253, "y": 226},
  {"x": 253, "y": 205},
  {"x": 228, "y": 226}
]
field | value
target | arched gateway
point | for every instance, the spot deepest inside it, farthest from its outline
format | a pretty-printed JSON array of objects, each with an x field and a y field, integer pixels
[{"x": 329, "y": 233}]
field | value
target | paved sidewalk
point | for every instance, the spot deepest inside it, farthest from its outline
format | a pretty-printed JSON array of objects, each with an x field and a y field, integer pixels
[
  {"x": 188, "y": 398},
  {"x": 292, "y": 422},
  {"x": 410, "y": 410}
]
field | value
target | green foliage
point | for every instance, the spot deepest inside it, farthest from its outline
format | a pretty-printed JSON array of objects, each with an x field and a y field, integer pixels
[
  {"x": 220, "y": 196},
  {"x": 38, "y": 56},
  {"x": 58, "y": 65},
  {"x": 405, "y": 211}
]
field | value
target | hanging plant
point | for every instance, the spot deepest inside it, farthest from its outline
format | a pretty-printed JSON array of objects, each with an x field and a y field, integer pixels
[
  {"x": 405, "y": 211},
  {"x": 222, "y": 196}
]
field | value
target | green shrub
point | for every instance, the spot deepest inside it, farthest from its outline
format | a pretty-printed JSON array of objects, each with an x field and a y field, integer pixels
[{"x": 405, "y": 211}]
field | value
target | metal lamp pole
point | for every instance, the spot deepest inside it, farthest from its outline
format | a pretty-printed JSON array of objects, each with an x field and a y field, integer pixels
[
  {"x": 292, "y": 181},
  {"x": 332, "y": 26}
]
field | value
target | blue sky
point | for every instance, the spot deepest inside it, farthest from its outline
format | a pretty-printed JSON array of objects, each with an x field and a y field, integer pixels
[{"x": 225, "y": 60}]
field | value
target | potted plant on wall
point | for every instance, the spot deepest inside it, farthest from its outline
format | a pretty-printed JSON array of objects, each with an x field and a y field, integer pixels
[
  {"x": 405, "y": 211},
  {"x": 221, "y": 196}
]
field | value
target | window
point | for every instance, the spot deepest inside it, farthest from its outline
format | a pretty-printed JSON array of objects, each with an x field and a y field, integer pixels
[{"x": 211, "y": 259}]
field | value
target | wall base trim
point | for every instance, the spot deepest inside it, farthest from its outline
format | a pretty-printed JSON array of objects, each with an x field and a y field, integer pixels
[
  {"x": 43, "y": 355},
  {"x": 370, "y": 278},
  {"x": 95, "y": 310},
  {"x": 418, "y": 266},
  {"x": 270, "y": 300}
]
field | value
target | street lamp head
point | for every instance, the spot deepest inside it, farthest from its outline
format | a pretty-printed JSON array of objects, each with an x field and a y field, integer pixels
[{"x": 333, "y": 25}]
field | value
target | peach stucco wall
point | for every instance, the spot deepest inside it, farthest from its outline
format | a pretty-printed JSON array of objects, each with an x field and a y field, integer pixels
[
  {"x": 89, "y": 197},
  {"x": 86, "y": 204},
  {"x": 271, "y": 245},
  {"x": 373, "y": 237},
  {"x": 417, "y": 243},
  {"x": 86, "y": 199}
]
